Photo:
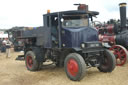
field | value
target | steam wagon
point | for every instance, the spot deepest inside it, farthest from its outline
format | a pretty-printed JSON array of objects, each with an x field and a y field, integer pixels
[{"x": 67, "y": 39}]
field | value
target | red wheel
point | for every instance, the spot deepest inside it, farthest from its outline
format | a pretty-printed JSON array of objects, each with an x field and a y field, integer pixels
[
  {"x": 75, "y": 66},
  {"x": 120, "y": 53},
  {"x": 29, "y": 61},
  {"x": 72, "y": 67}
]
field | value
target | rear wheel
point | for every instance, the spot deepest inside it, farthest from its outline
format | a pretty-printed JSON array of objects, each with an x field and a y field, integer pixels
[
  {"x": 108, "y": 63},
  {"x": 75, "y": 66},
  {"x": 31, "y": 63},
  {"x": 120, "y": 53}
]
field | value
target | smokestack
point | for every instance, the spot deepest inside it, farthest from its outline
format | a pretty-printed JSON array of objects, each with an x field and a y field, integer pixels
[
  {"x": 82, "y": 7},
  {"x": 123, "y": 14}
]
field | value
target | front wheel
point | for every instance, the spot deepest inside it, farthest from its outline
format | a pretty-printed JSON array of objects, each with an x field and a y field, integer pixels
[
  {"x": 75, "y": 66},
  {"x": 108, "y": 63},
  {"x": 31, "y": 63}
]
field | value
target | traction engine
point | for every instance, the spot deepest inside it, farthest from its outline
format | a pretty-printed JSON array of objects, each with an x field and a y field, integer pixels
[{"x": 114, "y": 35}]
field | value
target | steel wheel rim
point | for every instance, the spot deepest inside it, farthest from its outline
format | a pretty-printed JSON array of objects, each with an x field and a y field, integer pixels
[
  {"x": 121, "y": 56},
  {"x": 72, "y": 67}
]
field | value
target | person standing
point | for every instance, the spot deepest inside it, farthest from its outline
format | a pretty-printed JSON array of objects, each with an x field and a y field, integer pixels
[
  {"x": 0, "y": 44},
  {"x": 8, "y": 46},
  {"x": 3, "y": 47}
]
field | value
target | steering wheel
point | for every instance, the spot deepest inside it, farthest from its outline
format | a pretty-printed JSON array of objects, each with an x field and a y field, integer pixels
[{"x": 97, "y": 24}]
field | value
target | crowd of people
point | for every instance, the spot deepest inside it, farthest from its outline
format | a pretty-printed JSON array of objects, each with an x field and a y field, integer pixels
[{"x": 5, "y": 46}]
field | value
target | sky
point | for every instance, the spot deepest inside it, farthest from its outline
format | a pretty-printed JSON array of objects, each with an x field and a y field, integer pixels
[{"x": 29, "y": 12}]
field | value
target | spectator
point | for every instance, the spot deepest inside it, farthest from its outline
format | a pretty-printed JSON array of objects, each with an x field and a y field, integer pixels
[
  {"x": 3, "y": 47},
  {"x": 0, "y": 44},
  {"x": 8, "y": 46}
]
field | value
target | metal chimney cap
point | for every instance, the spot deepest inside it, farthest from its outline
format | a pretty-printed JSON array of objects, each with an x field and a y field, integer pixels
[{"x": 122, "y": 4}]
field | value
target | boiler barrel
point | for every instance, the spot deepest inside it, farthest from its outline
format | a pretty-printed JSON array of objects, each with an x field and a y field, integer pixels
[{"x": 122, "y": 38}]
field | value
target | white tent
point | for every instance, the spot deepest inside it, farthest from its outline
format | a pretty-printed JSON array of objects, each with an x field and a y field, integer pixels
[{"x": 3, "y": 35}]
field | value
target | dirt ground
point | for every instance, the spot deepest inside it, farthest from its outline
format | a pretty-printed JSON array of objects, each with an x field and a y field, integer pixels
[{"x": 14, "y": 72}]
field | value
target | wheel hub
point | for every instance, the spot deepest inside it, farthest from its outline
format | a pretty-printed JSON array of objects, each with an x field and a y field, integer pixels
[
  {"x": 29, "y": 61},
  {"x": 72, "y": 67}
]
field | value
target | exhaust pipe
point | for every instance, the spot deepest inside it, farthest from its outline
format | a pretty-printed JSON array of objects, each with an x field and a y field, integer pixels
[{"x": 123, "y": 14}]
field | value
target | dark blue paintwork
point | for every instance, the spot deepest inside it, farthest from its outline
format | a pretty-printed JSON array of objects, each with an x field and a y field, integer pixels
[{"x": 73, "y": 37}]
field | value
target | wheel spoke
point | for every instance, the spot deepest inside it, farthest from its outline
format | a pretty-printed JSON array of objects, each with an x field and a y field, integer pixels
[{"x": 120, "y": 53}]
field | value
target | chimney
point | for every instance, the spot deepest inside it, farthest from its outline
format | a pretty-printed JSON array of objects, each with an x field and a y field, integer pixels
[{"x": 123, "y": 14}]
